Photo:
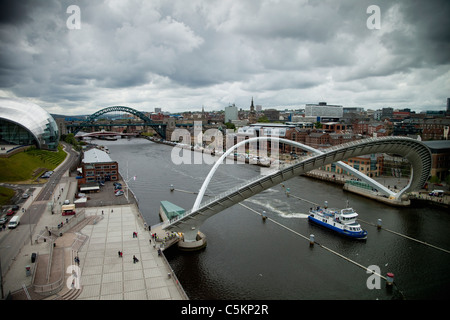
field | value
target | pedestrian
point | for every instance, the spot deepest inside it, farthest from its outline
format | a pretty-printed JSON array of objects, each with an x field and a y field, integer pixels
[{"x": 118, "y": 253}]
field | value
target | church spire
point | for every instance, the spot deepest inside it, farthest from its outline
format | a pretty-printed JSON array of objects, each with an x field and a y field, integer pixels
[{"x": 252, "y": 113}]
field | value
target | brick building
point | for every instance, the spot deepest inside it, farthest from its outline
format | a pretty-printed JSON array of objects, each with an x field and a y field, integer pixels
[
  {"x": 98, "y": 166},
  {"x": 371, "y": 165}
]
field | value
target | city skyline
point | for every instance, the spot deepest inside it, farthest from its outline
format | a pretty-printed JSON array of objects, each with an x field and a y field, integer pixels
[{"x": 182, "y": 56}]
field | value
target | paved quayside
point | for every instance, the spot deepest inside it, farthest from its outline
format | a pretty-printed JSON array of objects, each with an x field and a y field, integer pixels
[{"x": 104, "y": 275}]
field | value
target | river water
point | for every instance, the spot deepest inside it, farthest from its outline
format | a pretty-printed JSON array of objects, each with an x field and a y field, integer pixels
[{"x": 249, "y": 259}]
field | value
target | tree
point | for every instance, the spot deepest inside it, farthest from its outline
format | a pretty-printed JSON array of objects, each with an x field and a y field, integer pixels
[
  {"x": 435, "y": 179},
  {"x": 230, "y": 125},
  {"x": 70, "y": 139},
  {"x": 263, "y": 119}
]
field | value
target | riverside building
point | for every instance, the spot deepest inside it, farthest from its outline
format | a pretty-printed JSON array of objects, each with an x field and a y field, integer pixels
[{"x": 23, "y": 123}]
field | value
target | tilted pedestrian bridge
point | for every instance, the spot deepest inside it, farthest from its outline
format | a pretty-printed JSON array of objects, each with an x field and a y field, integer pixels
[{"x": 417, "y": 153}]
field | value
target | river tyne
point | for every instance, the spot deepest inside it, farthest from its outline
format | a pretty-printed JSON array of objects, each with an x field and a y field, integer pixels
[{"x": 248, "y": 259}]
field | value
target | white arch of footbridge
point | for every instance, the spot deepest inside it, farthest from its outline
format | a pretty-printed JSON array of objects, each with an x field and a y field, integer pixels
[{"x": 417, "y": 153}]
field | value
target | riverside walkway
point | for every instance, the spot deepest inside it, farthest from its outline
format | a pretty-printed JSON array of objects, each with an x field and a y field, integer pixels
[{"x": 95, "y": 237}]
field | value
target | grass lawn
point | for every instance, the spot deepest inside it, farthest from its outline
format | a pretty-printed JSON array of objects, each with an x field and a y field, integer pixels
[
  {"x": 29, "y": 165},
  {"x": 5, "y": 195}
]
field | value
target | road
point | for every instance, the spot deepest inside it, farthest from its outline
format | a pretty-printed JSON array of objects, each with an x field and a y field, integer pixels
[{"x": 11, "y": 243}]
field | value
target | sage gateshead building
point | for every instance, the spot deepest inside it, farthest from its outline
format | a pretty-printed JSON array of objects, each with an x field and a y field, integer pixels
[{"x": 25, "y": 123}]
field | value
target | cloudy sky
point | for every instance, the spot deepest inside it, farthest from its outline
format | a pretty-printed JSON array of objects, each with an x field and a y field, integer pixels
[{"x": 182, "y": 55}]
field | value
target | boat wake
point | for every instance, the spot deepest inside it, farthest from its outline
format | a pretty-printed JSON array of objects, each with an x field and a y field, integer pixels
[
  {"x": 281, "y": 212},
  {"x": 294, "y": 215}
]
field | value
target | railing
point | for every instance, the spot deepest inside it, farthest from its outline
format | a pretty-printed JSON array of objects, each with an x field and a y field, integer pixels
[
  {"x": 217, "y": 197},
  {"x": 50, "y": 259},
  {"x": 50, "y": 288},
  {"x": 172, "y": 274},
  {"x": 69, "y": 223}
]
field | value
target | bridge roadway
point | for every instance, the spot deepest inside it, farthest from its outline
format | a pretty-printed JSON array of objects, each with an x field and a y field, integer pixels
[{"x": 414, "y": 151}]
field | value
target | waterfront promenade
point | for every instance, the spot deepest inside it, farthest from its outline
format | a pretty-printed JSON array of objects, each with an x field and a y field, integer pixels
[{"x": 95, "y": 237}]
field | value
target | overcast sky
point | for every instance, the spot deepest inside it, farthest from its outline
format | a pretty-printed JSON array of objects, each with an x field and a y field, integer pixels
[{"x": 182, "y": 55}]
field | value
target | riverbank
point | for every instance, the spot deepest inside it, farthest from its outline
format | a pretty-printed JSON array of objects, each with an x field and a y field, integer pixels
[{"x": 420, "y": 197}]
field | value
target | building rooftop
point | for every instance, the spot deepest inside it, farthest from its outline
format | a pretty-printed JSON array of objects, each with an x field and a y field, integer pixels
[
  {"x": 171, "y": 210},
  {"x": 95, "y": 155},
  {"x": 34, "y": 119},
  {"x": 438, "y": 146}
]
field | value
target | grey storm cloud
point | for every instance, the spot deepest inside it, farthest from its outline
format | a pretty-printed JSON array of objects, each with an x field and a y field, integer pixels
[{"x": 182, "y": 55}]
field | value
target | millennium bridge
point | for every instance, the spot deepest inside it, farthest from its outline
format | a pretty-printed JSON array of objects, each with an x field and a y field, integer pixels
[{"x": 416, "y": 152}]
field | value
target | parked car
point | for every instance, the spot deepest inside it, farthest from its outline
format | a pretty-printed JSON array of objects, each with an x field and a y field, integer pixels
[
  {"x": 10, "y": 212},
  {"x": 47, "y": 174},
  {"x": 119, "y": 193},
  {"x": 25, "y": 196},
  {"x": 3, "y": 221},
  {"x": 15, "y": 207}
]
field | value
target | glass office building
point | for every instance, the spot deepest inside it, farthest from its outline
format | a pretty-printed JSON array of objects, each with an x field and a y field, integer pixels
[{"x": 26, "y": 123}]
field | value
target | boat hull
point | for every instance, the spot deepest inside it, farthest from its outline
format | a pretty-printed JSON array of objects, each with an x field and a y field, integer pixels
[{"x": 360, "y": 235}]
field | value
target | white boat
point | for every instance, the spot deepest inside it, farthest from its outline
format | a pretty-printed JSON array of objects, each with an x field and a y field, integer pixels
[{"x": 341, "y": 221}]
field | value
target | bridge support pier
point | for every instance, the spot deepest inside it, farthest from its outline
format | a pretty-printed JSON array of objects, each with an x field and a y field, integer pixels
[{"x": 197, "y": 244}]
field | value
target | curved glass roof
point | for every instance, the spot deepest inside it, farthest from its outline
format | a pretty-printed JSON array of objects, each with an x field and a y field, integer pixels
[{"x": 33, "y": 118}]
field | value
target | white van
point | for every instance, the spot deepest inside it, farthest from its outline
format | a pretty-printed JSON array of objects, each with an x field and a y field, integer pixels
[
  {"x": 14, "y": 222},
  {"x": 437, "y": 193}
]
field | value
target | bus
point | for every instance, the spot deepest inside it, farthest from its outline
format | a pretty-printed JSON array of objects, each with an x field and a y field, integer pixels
[{"x": 68, "y": 209}]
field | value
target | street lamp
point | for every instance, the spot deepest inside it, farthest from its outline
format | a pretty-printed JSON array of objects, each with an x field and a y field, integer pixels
[
  {"x": 126, "y": 182},
  {"x": 29, "y": 218}
]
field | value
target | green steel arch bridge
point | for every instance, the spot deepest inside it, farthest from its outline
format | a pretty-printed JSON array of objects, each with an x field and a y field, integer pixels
[{"x": 160, "y": 128}]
